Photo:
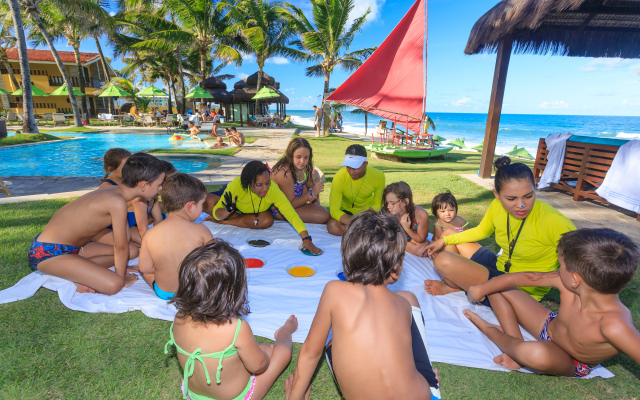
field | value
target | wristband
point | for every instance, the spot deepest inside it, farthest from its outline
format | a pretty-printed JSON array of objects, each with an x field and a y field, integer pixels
[{"x": 306, "y": 237}]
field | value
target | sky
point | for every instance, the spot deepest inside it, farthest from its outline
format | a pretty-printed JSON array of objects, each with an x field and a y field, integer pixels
[{"x": 460, "y": 83}]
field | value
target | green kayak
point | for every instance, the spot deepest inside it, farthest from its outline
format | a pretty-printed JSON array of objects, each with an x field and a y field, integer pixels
[{"x": 409, "y": 152}]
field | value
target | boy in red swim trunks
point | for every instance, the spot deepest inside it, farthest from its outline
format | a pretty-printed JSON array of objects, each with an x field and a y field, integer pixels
[
  {"x": 64, "y": 248},
  {"x": 591, "y": 326}
]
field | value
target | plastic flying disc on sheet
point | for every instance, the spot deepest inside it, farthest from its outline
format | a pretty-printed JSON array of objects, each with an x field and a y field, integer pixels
[
  {"x": 340, "y": 275},
  {"x": 258, "y": 242},
  {"x": 254, "y": 262},
  {"x": 301, "y": 270},
  {"x": 307, "y": 252}
]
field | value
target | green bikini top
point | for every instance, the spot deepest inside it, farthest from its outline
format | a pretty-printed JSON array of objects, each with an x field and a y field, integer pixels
[{"x": 197, "y": 355}]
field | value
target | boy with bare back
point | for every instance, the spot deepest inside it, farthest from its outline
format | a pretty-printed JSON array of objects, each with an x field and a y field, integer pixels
[
  {"x": 167, "y": 244},
  {"x": 378, "y": 348},
  {"x": 591, "y": 325},
  {"x": 64, "y": 248}
]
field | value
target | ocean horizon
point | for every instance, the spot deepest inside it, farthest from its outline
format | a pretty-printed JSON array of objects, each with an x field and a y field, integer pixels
[{"x": 524, "y": 130}]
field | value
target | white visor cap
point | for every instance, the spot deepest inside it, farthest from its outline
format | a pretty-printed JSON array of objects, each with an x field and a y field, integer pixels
[{"x": 354, "y": 162}]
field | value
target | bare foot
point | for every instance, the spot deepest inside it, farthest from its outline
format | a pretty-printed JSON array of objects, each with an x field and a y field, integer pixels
[
  {"x": 290, "y": 325},
  {"x": 129, "y": 279},
  {"x": 507, "y": 362},
  {"x": 83, "y": 289},
  {"x": 438, "y": 288}
]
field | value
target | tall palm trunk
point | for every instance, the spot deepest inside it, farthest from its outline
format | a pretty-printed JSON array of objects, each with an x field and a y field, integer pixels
[
  {"x": 34, "y": 12},
  {"x": 327, "y": 74},
  {"x": 7, "y": 65},
  {"x": 84, "y": 101},
  {"x": 168, "y": 80},
  {"x": 103, "y": 61},
  {"x": 260, "y": 66},
  {"x": 365, "y": 123},
  {"x": 29, "y": 121},
  {"x": 203, "y": 66},
  {"x": 181, "y": 92}
]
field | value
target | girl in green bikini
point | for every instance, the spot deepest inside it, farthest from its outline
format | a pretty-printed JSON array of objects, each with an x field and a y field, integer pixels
[{"x": 216, "y": 348}]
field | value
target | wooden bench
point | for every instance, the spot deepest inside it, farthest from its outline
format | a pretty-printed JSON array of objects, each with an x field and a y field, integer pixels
[{"x": 586, "y": 162}]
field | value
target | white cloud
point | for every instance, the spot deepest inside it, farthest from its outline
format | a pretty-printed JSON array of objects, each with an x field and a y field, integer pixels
[
  {"x": 248, "y": 58},
  {"x": 302, "y": 103},
  {"x": 554, "y": 104},
  {"x": 605, "y": 64},
  {"x": 277, "y": 60},
  {"x": 463, "y": 101},
  {"x": 289, "y": 90},
  {"x": 242, "y": 75},
  {"x": 627, "y": 103},
  {"x": 360, "y": 6}
]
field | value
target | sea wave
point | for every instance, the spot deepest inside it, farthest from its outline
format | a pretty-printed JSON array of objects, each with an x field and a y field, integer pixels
[{"x": 624, "y": 135}]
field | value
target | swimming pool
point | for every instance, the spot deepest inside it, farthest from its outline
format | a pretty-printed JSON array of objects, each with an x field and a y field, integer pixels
[{"x": 84, "y": 157}]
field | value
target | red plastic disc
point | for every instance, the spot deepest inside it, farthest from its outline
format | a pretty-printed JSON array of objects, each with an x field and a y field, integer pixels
[{"x": 254, "y": 263}]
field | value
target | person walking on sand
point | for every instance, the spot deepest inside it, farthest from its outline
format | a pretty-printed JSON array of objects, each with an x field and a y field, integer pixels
[{"x": 317, "y": 121}]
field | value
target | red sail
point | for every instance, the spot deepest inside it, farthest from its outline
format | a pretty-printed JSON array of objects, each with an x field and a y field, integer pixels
[{"x": 392, "y": 82}]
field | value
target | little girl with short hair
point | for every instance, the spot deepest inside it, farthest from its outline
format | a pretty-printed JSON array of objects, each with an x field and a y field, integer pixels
[
  {"x": 215, "y": 346},
  {"x": 445, "y": 207},
  {"x": 398, "y": 200}
]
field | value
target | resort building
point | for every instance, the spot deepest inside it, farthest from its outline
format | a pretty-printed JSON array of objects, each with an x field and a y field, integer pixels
[{"x": 46, "y": 76}]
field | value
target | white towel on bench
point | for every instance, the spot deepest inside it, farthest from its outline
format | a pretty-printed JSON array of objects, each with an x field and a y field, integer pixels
[
  {"x": 556, "y": 144},
  {"x": 621, "y": 185}
]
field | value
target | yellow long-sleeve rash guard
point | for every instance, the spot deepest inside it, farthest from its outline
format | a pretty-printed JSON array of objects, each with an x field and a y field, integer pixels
[{"x": 356, "y": 196}]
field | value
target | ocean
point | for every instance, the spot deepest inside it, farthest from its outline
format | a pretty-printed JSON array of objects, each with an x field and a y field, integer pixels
[{"x": 525, "y": 130}]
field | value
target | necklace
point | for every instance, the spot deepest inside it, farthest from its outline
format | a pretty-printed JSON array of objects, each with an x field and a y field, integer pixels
[
  {"x": 353, "y": 199},
  {"x": 512, "y": 244},
  {"x": 255, "y": 214}
]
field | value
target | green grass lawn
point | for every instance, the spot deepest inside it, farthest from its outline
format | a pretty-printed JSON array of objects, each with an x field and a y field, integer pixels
[
  {"x": 74, "y": 129},
  {"x": 50, "y": 352},
  {"x": 29, "y": 138}
]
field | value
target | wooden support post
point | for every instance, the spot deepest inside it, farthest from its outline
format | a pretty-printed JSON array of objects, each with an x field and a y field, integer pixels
[
  {"x": 495, "y": 107},
  {"x": 248, "y": 104},
  {"x": 241, "y": 123}
]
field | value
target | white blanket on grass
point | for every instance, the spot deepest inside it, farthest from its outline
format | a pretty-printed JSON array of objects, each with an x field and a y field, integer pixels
[
  {"x": 556, "y": 144},
  {"x": 621, "y": 185},
  {"x": 274, "y": 295}
]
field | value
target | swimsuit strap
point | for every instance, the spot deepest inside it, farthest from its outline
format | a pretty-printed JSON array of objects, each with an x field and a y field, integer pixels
[
  {"x": 303, "y": 179},
  {"x": 109, "y": 181},
  {"x": 440, "y": 225},
  {"x": 152, "y": 204},
  {"x": 464, "y": 225}
]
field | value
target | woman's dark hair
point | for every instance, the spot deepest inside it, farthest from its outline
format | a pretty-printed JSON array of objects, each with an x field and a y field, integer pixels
[
  {"x": 372, "y": 246},
  {"x": 443, "y": 199},
  {"x": 141, "y": 167},
  {"x": 250, "y": 173},
  {"x": 181, "y": 188},
  {"x": 403, "y": 191},
  {"x": 356, "y": 150},
  {"x": 212, "y": 284},
  {"x": 604, "y": 258},
  {"x": 286, "y": 162},
  {"x": 169, "y": 169},
  {"x": 113, "y": 158},
  {"x": 507, "y": 172}
]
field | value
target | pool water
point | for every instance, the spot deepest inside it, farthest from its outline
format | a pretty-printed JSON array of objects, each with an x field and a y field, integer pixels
[{"x": 84, "y": 157}]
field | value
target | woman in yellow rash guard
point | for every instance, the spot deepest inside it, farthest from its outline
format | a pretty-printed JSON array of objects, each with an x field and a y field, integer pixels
[
  {"x": 247, "y": 200},
  {"x": 354, "y": 189},
  {"x": 526, "y": 229}
]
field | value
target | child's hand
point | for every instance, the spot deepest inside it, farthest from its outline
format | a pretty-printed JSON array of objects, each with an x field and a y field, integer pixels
[
  {"x": 474, "y": 294},
  {"x": 288, "y": 385},
  {"x": 318, "y": 187},
  {"x": 430, "y": 249},
  {"x": 405, "y": 221},
  {"x": 129, "y": 279}
]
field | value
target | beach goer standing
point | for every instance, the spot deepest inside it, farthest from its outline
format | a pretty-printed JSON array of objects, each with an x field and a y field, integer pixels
[
  {"x": 355, "y": 188},
  {"x": 294, "y": 174},
  {"x": 317, "y": 121},
  {"x": 216, "y": 347}
]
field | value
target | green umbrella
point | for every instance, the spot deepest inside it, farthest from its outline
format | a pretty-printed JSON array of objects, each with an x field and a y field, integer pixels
[
  {"x": 265, "y": 93},
  {"x": 152, "y": 91},
  {"x": 520, "y": 152},
  {"x": 198, "y": 93},
  {"x": 457, "y": 143},
  {"x": 34, "y": 92},
  {"x": 438, "y": 139},
  {"x": 479, "y": 147},
  {"x": 2, "y": 91},
  {"x": 62, "y": 91},
  {"x": 114, "y": 91}
]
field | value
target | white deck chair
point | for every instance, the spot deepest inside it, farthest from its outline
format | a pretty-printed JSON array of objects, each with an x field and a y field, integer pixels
[{"x": 59, "y": 118}]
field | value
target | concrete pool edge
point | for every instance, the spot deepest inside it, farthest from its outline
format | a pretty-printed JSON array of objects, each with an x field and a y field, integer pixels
[{"x": 13, "y": 146}]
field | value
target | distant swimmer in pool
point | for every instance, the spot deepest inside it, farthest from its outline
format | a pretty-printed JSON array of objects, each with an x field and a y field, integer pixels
[
  {"x": 64, "y": 248},
  {"x": 182, "y": 197},
  {"x": 247, "y": 201}
]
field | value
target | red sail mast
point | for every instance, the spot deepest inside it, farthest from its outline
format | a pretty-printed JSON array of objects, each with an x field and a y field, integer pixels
[{"x": 392, "y": 82}]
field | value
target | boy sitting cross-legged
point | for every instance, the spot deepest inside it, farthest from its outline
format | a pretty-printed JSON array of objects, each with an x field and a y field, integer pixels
[
  {"x": 591, "y": 325},
  {"x": 378, "y": 348},
  {"x": 64, "y": 248},
  {"x": 167, "y": 244}
]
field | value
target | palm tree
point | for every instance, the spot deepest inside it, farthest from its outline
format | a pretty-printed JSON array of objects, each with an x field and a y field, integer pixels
[
  {"x": 72, "y": 9},
  {"x": 101, "y": 25},
  {"x": 7, "y": 40},
  {"x": 263, "y": 30},
  {"x": 29, "y": 121},
  {"x": 360, "y": 111},
  {"x": 326, "y": 41}
]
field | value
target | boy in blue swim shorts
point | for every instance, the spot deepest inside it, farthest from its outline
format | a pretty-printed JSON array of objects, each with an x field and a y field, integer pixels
[
  {"x": 166, "y": 244},
  {"x": 591, "y": 325},
  {"x": 68, "y": 247}
]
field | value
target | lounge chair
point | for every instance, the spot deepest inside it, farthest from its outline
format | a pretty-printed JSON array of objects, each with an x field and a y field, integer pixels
[
  {"x": 285, "y": 123},
  {"x": 147, "y": 121},
  {"x": 170, "y": 120},
  {"x": 58, "y": 118},
  {"x": 127, "y": 119},
  {"x": 48, "y": 117},
  {"x": 12, "y": 117},
  {"x": 206, "y": 127}
]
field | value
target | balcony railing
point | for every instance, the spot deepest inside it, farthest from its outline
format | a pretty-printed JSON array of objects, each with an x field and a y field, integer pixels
[{"x": 75, "y": 81}]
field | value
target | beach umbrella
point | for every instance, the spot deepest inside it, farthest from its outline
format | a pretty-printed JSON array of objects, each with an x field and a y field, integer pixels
[
  {"x": 457, "y": 143},
  {"x": 152, "y": 92},
  {"x": 479, "y": 147},
  {"x": 2, "y": 91},
  {"x": 62, "y": 91},
  {"x": 34, "y": 92},
  {"x": 198, "y": 93},
  {"x": 265, "y": 93},
  {"x": 520, "y": 152},
  {"x": 114, "y": 91}
]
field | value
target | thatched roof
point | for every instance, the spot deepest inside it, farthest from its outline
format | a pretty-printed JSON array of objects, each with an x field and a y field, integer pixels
[
  {"x": 267, "y": 80},
  {"x": 577, "y": 28},
  {"x": 220, "y": 95},
  {"x": 240, "y": 84},
  {"x": 214, "y": 83},
  {"x": 246, "y": 94}
]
